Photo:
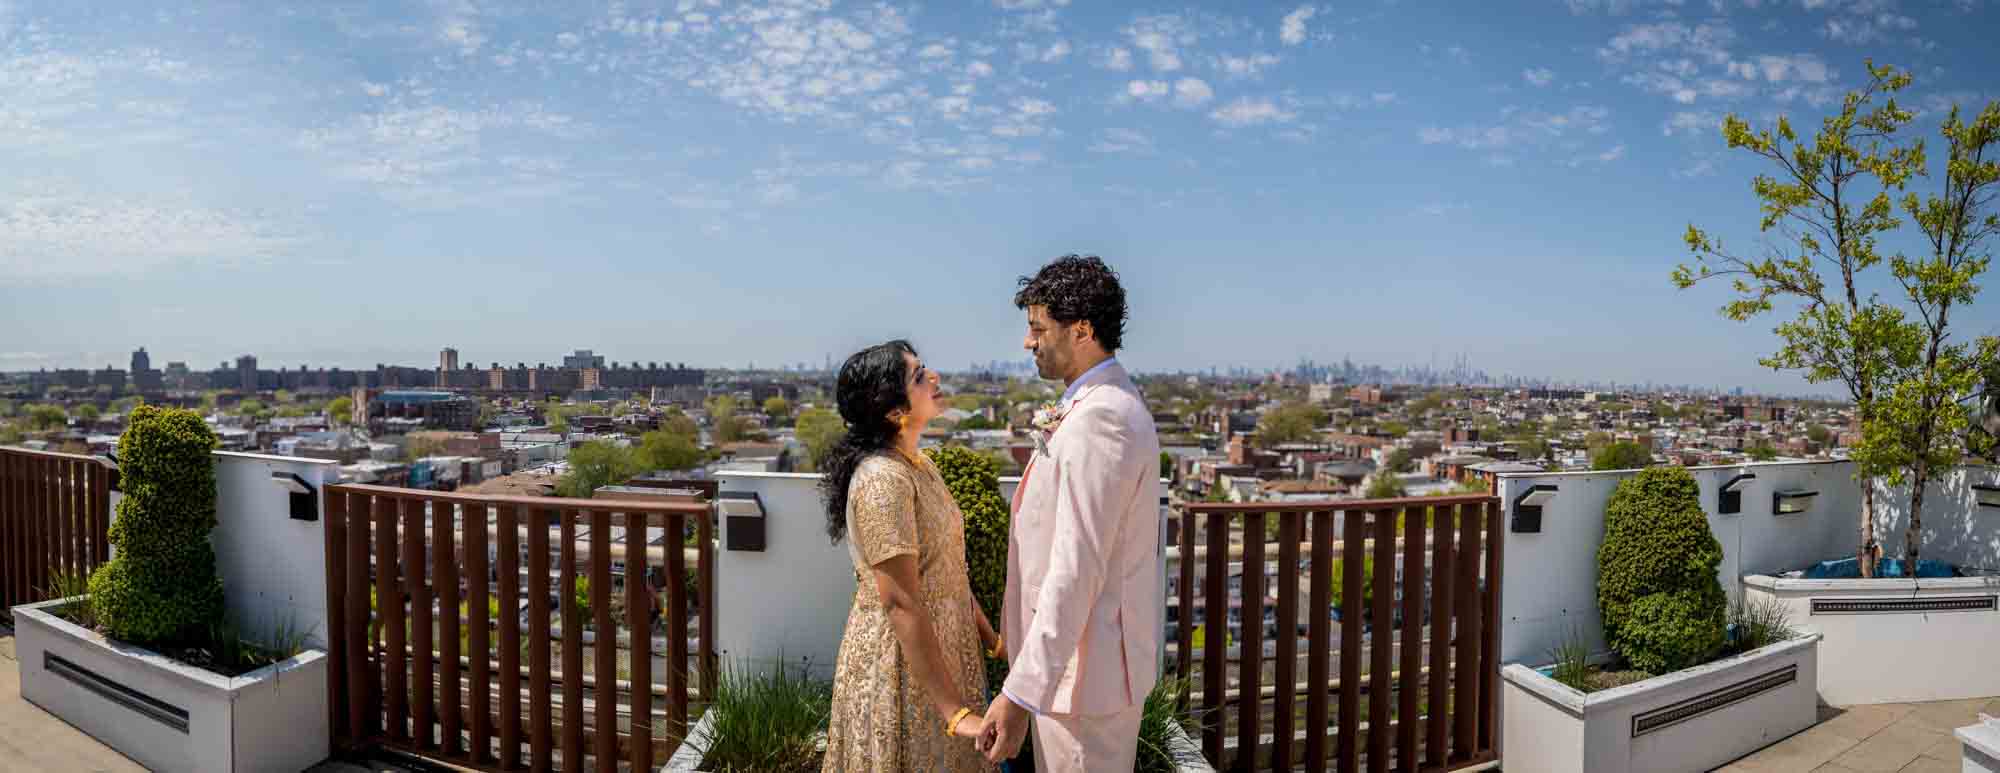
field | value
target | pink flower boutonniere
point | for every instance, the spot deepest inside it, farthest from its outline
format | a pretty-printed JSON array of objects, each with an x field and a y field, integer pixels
[{"x": 1046, "y": 419}]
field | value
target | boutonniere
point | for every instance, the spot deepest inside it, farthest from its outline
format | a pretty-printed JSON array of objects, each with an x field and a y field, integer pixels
[{"x": 1046, "y": 419}]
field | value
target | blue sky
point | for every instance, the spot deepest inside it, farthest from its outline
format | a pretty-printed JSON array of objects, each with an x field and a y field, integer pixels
[{"x": 722, "y": 183}]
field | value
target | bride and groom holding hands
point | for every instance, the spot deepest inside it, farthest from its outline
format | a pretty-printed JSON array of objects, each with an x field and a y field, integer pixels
[{"x": 1080, "y": 626}]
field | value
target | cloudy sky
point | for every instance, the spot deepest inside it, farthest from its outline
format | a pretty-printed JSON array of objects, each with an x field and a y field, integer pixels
[{"x": 723, "y": 183}]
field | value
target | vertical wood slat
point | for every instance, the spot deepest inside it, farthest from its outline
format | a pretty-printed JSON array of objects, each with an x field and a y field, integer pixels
[
  {"x": 79, "y": 516},
  {"x": 392, "y": 562},
  {"x": 445, "y": 579},
  {"x": 1489, "y": 645},
  {"x": 572, "y": 648},
  {"x": 1443, "y": 548},
  {"x": 1285, "y": 699},
  {"x": 1465, "y": 677},
  {"x": 479, "y": 640},
  {"x": 336, "y": 617},
  {"x": 676, "y": 632},
  {"x": 539, "y": 710},
  {"x": 423, "y": 697},
  {"x": 10, "y": 563},
  {"x": 705, "y": 598},
  {"x": 101, "y": 487},
  {"x": 1353, "y": 529},
  {"x": 361, "y": 701},
  {"x": 1320, "y": 640},
  {"x": 509, "y": 552},
  {"x": 1186, "y": 612},
  {"x": 639, "y": 603},
  {"x": 1215, "y": 633},
  {"x": 604, "y": 741},
  {"x": 1380, "y": 641},
  {"x": 1411, "y": 650},
  {"x": 1250, "y": 666},
  {"x": 60, "y": 504},
  {"x": 38, "y": 524}
]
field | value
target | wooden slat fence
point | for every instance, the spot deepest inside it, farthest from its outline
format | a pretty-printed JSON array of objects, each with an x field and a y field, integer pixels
[
  {"x": 1401, "y": 672},
  {"x": 446, "y": 607},
  {"x": 55, "y": 510}
]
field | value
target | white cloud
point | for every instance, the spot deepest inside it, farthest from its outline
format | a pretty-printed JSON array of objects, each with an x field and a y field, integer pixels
[
  {"x": 1539, "y": 76},
  {"x": 1698, "y": 167},
  {"x": 1162, "y": 38},
  {"x": 1146, "y": 91},
  {"x": 1292, "y": 30},
  {"x": 1192, "y": 92},
  {"x": 1245, "y": 66},
  {"x": 1383, "y": 97},
  {"x": 1028, "y": 5},
  {"x": 1249, "y": 111},
  {"x": 1055, "y": 52},
  {"x": 1707, "y": 41},
  {"x": 54, "y": 233},
  {"x": 1779, "y": 69},
  {"x": 1521, "y": 127},
  {"x": 1613, "y": 154},
  {"x": 1118, "y": 140},
  {"x": 979, "y": 69},
  {"x": 1119, "y": 59},
  {"x": 935, "y": 51},
  {"x": 1691, "y": 123}
]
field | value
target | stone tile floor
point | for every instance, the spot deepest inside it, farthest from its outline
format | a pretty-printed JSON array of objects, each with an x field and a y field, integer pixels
[{"x": 1905, "y": 737}]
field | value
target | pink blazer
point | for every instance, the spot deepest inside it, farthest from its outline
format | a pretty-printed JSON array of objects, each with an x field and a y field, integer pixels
[{"x": 1084, "y": 605}]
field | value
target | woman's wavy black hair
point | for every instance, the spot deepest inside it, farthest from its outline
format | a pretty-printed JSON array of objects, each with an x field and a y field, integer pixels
[
  {"x": 1079, "y": 288},
  {"x": 872, "y": 384}
]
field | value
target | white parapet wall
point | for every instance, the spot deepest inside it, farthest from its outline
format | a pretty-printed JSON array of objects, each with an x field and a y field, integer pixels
[
  {"x": 1549, "y": 585},
  {"x": 273, "y": 566},
  {"x": 1893, "y": 640},
  {"x": 789, "y": 601}
]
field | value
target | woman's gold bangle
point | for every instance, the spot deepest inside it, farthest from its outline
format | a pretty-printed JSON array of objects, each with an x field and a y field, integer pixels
[{"x": 951, "y": 728}]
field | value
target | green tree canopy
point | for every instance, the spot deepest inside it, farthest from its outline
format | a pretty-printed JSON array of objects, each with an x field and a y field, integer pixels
[
  {"x": 46, "y": 417},
  {"x": 679, "y": 423},
  {"x": 1385, "y": 485},
  {"x": 819, "y": 429},
  {"x": 87, "y": 412},
  {"x": 1622, "y": 455},
  {"x": 340, "y": 410},
  {"x": 778, "y": 408},
  {"x": 596, "y": 464},
  {"x": 1290, "y": 423},
  {"x": 663, "y": 450},
  {"x": 1399, "y": 460},
  {"x": 1762, "y": 452}
]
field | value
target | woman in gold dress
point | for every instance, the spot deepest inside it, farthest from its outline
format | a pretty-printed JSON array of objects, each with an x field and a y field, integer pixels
[{"x": 909, "y": 687}]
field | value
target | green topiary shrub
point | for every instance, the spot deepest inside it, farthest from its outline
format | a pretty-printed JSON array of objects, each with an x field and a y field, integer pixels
[
  {"x": 1367, "y": 587},
  {"x": 163, "y": 586},
  {"x": 1657, "y": 591},
  {"x": 974, "y": 481}
]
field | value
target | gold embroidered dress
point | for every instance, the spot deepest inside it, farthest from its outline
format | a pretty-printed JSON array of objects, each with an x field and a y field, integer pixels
[{"x": 882, "y": 720}]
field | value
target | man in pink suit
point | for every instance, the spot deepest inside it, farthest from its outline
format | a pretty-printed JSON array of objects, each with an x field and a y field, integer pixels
[{"x": 1082, "y": 617}]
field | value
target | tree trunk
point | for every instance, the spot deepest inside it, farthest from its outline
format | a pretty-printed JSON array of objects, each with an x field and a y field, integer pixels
[
  {"x": 1913, "y": 537},
  {"x": 1866, "y": 557}
]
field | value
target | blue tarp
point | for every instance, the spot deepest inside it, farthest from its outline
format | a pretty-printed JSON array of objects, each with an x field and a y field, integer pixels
[{"x": 1848, "y": 568}]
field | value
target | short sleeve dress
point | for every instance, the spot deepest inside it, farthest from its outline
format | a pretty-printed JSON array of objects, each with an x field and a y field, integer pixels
[{"x": 882, "y": 720}]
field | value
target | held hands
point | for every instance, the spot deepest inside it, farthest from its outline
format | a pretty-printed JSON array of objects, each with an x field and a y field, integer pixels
[{"x": 1003, "y": 731}]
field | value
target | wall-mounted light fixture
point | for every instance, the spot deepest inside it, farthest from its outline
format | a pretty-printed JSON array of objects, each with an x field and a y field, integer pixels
[
  {"x": 1731, "y": 500},
  {"x": 1791, "y": 501},
  {"x": 305, "y": 506},
  {"x": 743, "y": 520},
  {"x": 1528, "y": 508},
  {"x": 1986, "y": 496}
]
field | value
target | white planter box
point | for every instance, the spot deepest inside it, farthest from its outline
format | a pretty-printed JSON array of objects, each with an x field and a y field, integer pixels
[
  {"x": 1981, "y": 744},
  {"x": 1895, "y": 640},
  {"x": 1694, "y": 719},
  {"x": 167, "y": 715},
  {"x": 687, "y": 759}
]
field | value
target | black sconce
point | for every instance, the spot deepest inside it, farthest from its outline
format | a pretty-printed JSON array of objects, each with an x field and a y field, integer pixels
[
  {"x": 743, "y": 520},
  {"x": 1791, "y": 501},
  {"x": 305, "y": 506},
  {"x": 1731, "y": 501},
  {"x": 1528, "y": 508},
  {"x": 1986, "y": 496}
]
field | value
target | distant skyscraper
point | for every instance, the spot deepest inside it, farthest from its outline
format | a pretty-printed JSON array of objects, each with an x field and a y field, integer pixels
[
  {"x": 246, "y": 373},
  {"x": 583, "y": 358},
  {"x": 140, "y": 362},
  {"x": 448, "y": 359}
]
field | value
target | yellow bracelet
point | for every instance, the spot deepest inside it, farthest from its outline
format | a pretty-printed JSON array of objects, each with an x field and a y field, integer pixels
[
  {"x": 997, "y": 644},
  {"x": 951, "y": 727}
]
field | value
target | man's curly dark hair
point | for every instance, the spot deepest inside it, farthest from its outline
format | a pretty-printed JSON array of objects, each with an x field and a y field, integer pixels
[{"x": 1077, "y": 288}]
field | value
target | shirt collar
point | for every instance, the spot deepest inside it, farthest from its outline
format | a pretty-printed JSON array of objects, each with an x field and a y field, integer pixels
[{"x": 1085, "y": 378}]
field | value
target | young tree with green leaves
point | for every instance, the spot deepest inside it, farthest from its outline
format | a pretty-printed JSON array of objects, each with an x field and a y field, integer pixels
[
  {"x": 1290, "y": 423},
  {"x": 1385, "y": 485},
  {"x": 778, "y": 409},
  {"x": 596, "y": 464},
  {"x": 44, "y": 417},
  {"x": 819, "y": 429},
  {"x": 1820, "y": 205},
  {"x": 1927, "y": 418},
  {"x": 340, "y": 410},
  {"x": 1762, "y": 452},
  {"x": 663, "y": 450},
  {"x": 1622, "y": 455},
  {"x": 87, "y": 413}
]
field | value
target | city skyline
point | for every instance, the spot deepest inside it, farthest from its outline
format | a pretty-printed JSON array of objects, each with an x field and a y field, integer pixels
[{"x": 791, "y": 181}]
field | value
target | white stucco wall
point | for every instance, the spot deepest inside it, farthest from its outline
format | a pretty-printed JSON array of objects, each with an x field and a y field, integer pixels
[
  {"x": 273, "y": 568},
  {"x": 791, "y": 600}
]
